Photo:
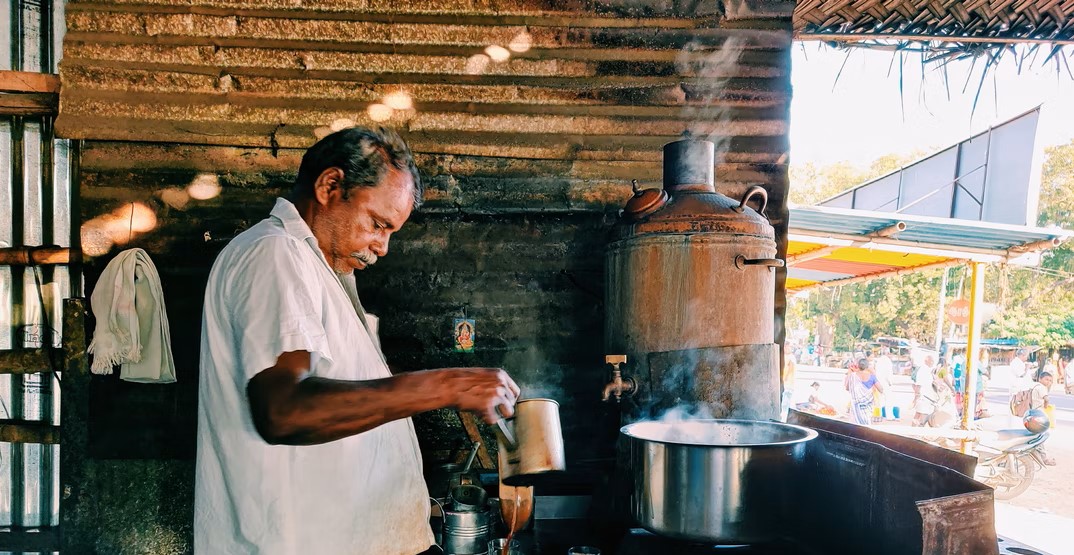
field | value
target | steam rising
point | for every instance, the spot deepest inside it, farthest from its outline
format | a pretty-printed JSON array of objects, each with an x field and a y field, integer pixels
[
  {"x": 543, "y": 381},
  {"x": 709, "y": 69}
]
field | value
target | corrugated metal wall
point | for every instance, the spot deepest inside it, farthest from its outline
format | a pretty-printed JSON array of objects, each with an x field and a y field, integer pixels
[{"x": 607, "y": 86}]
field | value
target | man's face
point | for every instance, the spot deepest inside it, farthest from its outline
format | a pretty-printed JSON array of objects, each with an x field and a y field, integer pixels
[{"x": 353, "y": 232}]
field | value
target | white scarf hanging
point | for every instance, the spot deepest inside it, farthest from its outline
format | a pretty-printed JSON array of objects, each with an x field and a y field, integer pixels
[{"x": 132, "y": 322}]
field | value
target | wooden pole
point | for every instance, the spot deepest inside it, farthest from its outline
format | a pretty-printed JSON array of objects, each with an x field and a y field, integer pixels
[
  {"x": 973, "y": 343},
  {"x": 24, "y": 256}
]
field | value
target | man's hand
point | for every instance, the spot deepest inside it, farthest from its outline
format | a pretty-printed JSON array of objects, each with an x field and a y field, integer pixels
[
  {"x": 480, "y": 390},
  {"x": 290, "y": 406}
]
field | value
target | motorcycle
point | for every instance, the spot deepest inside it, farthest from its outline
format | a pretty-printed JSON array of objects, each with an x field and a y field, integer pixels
[{"x": 1008, "y": 460}]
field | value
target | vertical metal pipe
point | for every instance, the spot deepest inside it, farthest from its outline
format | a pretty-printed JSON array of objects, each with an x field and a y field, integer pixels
[
  {"x": 940, "y": 311},
  {"x": 37, "y": 388},
  {"x": 973, "y": 340},
  {"x": 16, "y": 35},
  {"x": 51, "y": 317},
  {"x": 46, "y": 38},
  {"x": 984, "y": 178},
  {"x": 74, "y": 172},
  {"x": 18, "y": 237},
  {"x": 7, "y": 339}
]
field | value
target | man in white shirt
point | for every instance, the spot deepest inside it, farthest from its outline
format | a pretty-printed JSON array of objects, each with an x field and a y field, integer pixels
[
  {"x": 1020, "y": 378},
  {"x": 305, "y": 443},
  {"x": 926, "y": 398}
]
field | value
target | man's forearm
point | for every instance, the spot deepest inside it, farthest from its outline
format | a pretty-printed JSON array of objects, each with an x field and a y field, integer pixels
[{"x": 319, "y": 410}]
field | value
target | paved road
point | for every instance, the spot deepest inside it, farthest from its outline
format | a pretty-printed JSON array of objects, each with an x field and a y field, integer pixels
[{"x": 1043, "y": 516}]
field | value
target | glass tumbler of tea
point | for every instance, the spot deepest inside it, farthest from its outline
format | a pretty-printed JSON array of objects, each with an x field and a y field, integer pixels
[{"x": 500, "y": 546}]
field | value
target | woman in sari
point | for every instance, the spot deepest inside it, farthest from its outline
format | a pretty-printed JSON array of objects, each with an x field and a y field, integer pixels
[{"x": 861, "y": 382}]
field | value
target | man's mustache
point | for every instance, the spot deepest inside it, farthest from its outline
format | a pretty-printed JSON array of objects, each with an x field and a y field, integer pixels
[{"x": 366, "y": 258}]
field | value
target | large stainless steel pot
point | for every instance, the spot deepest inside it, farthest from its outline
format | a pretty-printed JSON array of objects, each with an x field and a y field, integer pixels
[{"x": 716, "y": 481}]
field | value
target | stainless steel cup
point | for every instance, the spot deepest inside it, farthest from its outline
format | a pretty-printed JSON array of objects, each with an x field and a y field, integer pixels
[{"x": 536, "y": 447}]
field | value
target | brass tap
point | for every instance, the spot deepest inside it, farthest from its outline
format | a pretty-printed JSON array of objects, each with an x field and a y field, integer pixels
[{"x": 619, "y": 384}]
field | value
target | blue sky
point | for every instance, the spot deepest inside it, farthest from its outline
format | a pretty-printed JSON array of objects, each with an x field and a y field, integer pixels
[{"x": 861, "y": 116}]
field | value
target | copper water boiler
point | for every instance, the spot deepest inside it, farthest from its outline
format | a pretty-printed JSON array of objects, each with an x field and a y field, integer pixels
[{"x": 690, "y": 293}]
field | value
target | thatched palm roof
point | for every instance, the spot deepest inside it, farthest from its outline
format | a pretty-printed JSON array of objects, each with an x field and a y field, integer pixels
[{"x": 989, "y": 21}]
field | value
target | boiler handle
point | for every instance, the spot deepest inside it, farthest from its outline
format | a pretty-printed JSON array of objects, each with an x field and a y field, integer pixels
[
  {"x": 741, "y": 261},
  {"x": 753, "y": 191}
]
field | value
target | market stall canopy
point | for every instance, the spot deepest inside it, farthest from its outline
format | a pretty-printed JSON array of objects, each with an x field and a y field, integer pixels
[{"x": 837, "y": 246}]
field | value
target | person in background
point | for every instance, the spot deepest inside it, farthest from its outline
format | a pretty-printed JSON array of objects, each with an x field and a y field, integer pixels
[
  {"x": 788, "y": 384},
  {"x": 984, "y": 374},
  {"x": 1020, "y": 377},
  {"x": 1039, "y": 392},
  {"x": 1048, "y": 365},
  {"x": 1068, "y": 380},
  {"x": 1039, "y": 400},
  {"x": 958, "y": 372},
  {"x": 861, "y": 383},
  {"x": 943, "y": 372},
  {"x": 883, "y": 369},
  {"x": 815, "y": 403},
  {"x": 926, "y": 397}
]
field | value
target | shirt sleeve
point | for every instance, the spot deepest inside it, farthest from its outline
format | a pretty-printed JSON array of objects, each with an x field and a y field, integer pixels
[
  {"x": 273, "y": 304},
  {"x": 1038, "y": 394}
]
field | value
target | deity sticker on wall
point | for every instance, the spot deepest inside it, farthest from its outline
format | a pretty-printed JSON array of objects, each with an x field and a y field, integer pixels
[{"x": 464, "y": 335}]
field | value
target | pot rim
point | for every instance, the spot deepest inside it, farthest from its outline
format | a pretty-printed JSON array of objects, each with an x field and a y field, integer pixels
[{"x": 808, "y": 434}]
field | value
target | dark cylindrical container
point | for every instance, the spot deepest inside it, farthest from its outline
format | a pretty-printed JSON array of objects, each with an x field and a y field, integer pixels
[{"x": 689, "y": 163}]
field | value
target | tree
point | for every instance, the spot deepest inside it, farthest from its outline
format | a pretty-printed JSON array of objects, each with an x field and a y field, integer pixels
[
  {"x": 1038, "y": 302},
  {"x": 811, "y": 184},
  {"x": 1035, "y": 305}
]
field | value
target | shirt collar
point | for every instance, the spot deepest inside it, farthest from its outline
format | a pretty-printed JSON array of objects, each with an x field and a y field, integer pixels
[{"x": 292, "y": 222}]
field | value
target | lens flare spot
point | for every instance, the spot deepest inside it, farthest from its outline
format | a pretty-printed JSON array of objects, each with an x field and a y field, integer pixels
[
  {"x": 204, "y": 187},
  {"x": 477, "y": 64},
  {"x": 175, "y": 197},
  {"x": 399, "y": 100},
  {"x": 498, "y": 53},
  {"x": 521, "y": 43},
  {"x": 135, "y": 217},
  {"x": 379, "y": 112}
]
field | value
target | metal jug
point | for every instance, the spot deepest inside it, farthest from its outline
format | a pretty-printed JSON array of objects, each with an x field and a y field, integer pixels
[
  {"x": 466, "y": 532},
  {"x": 534, "y": 447}
]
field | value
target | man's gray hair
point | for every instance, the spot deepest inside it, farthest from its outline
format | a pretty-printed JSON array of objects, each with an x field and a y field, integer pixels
[{"x": 364, "y": 155}]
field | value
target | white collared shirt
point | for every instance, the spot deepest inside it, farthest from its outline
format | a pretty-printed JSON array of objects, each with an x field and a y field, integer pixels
[{"x": 271, "y": 291}]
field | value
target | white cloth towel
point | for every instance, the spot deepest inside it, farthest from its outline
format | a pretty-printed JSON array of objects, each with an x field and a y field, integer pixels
[{"x": 132, "y": 323}]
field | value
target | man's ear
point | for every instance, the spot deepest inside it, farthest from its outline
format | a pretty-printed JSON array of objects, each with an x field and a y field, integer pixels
[{"x": 329, "y": 183}]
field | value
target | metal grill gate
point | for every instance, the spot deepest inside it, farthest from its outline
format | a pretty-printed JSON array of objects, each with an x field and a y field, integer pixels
[{"x": 37, "y": 208}]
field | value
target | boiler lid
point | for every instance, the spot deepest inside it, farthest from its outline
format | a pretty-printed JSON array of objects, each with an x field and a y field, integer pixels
[{"x": 696, "y": 211}]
